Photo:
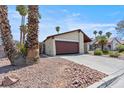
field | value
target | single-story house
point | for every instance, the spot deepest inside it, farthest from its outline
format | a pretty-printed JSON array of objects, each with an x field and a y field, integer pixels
[
  {"x": 70, "y": 42},
  {"x": 111, "y": 44}
]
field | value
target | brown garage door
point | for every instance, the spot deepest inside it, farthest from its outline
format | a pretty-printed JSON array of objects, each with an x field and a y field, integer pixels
[{"x": 64, "y": 47}]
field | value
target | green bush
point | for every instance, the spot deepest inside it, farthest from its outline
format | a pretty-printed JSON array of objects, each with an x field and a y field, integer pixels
[
  {"x": 120, "y": 48},
  {"x": 105, "y": 52},
  {"x": 22, "y": 49},
  {"x": 114, "y": 54},
  {"x": 98, "y": 52}
]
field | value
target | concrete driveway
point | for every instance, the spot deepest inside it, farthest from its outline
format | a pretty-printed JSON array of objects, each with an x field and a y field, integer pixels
[{"x": 103, "y": 64}]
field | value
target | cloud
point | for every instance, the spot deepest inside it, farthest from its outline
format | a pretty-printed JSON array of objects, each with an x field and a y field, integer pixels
[
  {"x": 76, "y": 14},
  {"x": 88, "y": 28},
  {"x": 58, "y": 11}
]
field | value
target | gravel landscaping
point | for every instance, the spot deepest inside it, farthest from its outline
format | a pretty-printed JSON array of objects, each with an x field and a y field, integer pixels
[{"x": 51, "y": 73}]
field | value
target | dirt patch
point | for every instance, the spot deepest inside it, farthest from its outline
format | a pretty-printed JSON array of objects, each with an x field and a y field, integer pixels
[{"x": 50, "y": 73}]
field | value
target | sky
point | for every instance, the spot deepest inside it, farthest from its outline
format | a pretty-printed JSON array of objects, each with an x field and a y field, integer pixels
[{"x": 71, "y": 17}]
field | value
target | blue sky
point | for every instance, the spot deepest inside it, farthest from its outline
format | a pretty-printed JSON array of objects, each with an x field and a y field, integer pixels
[{"x": 68, "y": 17}]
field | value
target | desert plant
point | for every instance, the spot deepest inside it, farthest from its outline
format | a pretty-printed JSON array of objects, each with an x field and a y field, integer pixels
[
  {"x": 120, "y": 48},
  {"x": 95, "y": 32},
  {"x": 102, "y": 41},
  {"x": 105, "y": 52},
  {"x": 57, "y": 29},
  {"x": 114, "y": 54},
  {"x": 22, "y": 49},
  {"x": 23, "y": 11},
  {"x": 98, "y": 52},
  {"x": 100, "y": 33},
  {"x": 108, "y": 34}
]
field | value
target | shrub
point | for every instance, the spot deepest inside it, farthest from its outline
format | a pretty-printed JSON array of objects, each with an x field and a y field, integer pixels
[
  {"x": 22, "y": 49},
  {"x": 105, "y": 52},
  {"x": 98, "y": 52},
  {"x": 114, "y": 54},
  {"x": 120, "y": 48}
]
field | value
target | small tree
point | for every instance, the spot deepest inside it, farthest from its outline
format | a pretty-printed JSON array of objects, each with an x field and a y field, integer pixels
[
  {"x": 120, "y": 29},
  {"x": 102, "y": 41},
  {"x": 57, "y": 29},
  {"x": 108, "y": 34},
  {"x": 100, "y": 33},
  {"x": 95, "y": 32}
]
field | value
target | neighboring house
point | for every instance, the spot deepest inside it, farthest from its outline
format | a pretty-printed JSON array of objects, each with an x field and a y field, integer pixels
[
  {"x": 70, "y": 42},
  {"x": 92, "y": 44},
  {"x": 111, "y": 44},
  {"x": 122, "y": 42}
]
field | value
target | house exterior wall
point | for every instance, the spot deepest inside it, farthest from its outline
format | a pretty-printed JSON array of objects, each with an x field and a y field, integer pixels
[
  {"x": 86, "y": 47},
  {"x": 114, "y": 44},
  {"x": 81, "y": 43},
  {"x": 50, "y": 48},
  {"x": 68, "y": 37}
]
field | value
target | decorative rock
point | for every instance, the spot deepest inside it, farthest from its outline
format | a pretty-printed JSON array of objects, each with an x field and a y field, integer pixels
[
  {"x": 76, "y": 83},
  {"x": 9, "y": 80}
]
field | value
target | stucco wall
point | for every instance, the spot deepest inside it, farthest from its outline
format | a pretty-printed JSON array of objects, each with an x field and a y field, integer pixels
[
  {"x": 85, "y": 47},
  {"x": 114, "y": 44},
  {"x": 68, "y": 37},
  {"x": 81, "y": 43},
  {"x": 50, "y": 47}
]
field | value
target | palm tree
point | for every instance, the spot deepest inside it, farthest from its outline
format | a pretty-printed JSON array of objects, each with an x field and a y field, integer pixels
[
  {"x": 32, "y": 36},
  {"x": 95, "y": 32},
  {"x": 102, "y": 41},
  {"x": 23, "y": 11},
  {"x": 100, "y": 33},
  {"x": 108, "y": 34},
  {"x": 57, "y": 29},
  {"x": 10, "y": 49}
]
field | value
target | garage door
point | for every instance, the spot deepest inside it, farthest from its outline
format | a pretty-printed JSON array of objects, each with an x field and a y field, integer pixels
[{"x": 64, "y": 47}]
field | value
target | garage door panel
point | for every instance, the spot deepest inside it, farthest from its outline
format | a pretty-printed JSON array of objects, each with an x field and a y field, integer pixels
[{"x": 64, "y": 47}]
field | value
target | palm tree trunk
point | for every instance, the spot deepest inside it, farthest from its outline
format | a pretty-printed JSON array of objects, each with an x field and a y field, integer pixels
[
  {"x": 102, "y": 47},
  {"x": 23, "y": 40},
  {"x": 10, "y": 49},
  {"x": 21, "y": 32},
  {"x": 32, "y": 37}
]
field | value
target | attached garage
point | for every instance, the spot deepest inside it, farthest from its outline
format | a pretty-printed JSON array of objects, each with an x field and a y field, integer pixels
[
  {"x": 66, "y": 47},
  {"x": 71, "y": 42}
]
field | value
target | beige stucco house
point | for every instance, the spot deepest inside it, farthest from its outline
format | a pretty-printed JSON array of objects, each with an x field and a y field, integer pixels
[{"x": 70, "y": 42}]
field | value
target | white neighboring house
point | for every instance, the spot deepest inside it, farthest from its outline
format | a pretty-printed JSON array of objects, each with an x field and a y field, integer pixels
[{"x": 112, "y": 43}]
